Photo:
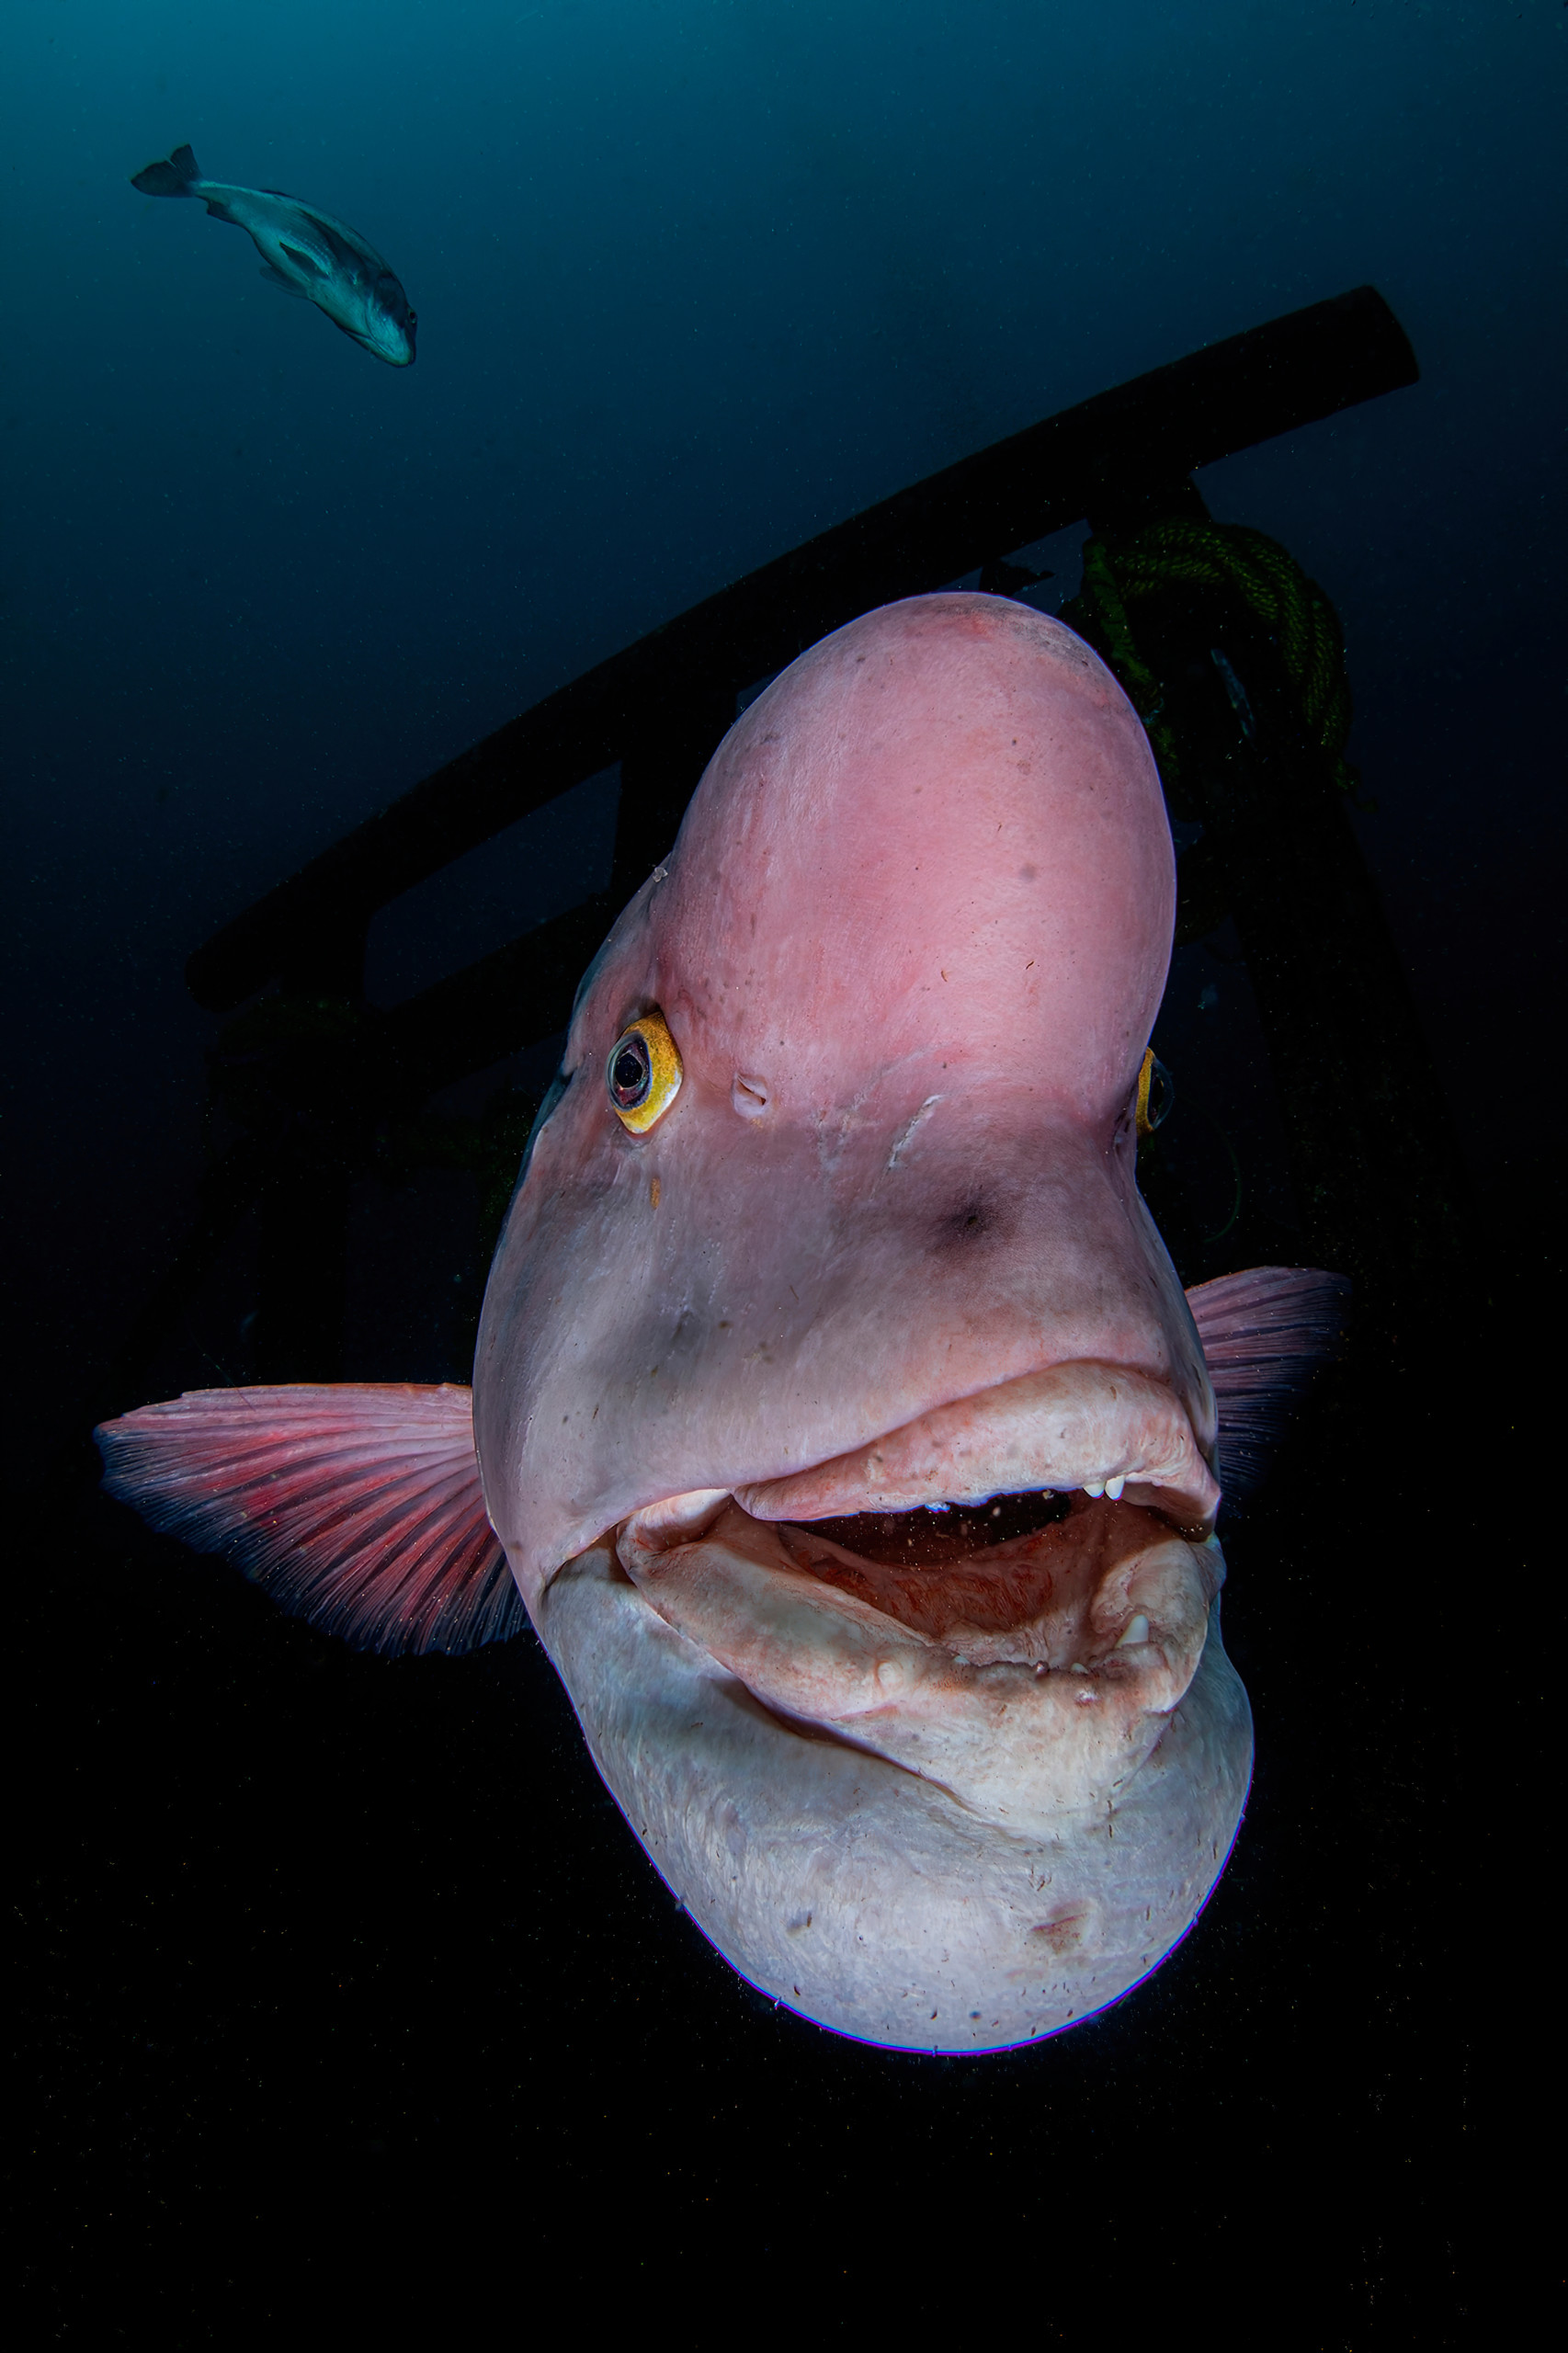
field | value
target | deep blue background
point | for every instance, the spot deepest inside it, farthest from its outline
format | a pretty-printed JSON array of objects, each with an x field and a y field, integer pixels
[{"x": 695, "y": 280}]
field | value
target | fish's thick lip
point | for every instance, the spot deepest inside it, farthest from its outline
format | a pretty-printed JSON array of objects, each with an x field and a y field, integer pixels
[
  {"x": 1103, "y": 1427},
  {"x": 1081, "y": 1429},
  {"x": 1029, "y": 1684},
  {"x": 1051, "y": 1656}
]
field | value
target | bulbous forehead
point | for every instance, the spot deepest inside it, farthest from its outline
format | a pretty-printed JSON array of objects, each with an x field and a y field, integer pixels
[{"x": 942, "y": 824}]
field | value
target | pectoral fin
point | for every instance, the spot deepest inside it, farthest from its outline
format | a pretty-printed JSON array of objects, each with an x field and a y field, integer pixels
[
  {"x": 1263, "y": 1333},
  {"x": 308, "y": 262},
  {"x": 358, "y": 1507},
  {"x": 285, "y": 285}
]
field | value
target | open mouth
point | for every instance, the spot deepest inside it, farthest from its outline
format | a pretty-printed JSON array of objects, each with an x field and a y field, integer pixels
[{"x": 955, "y": 1599}]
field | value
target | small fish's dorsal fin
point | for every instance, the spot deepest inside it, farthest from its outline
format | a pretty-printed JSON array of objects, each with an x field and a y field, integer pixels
[
  {"x": 177, "y": 176},
  {"x": 1264, "y": 1334},
  {"x": 358, "y": 1507}
]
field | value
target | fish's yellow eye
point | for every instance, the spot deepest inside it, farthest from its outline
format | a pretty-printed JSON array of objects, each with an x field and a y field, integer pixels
[
  {"x": 1156, "y": 1093},
  {"x": 644, "y": 1073}
]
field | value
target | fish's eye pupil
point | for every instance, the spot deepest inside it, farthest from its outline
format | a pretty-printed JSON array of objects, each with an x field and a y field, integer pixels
[{"x": 630, "y": 1072}]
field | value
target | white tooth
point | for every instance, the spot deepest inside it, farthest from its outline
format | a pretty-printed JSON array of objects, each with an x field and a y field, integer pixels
[
  {"x": 1093, "y": 1486},
  {"x": 1137, "y": 1632},
  {"x": 1113, "y": 1487}
]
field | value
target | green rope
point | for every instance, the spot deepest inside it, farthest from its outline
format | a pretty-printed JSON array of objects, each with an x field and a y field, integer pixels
[{"x": 1226, "y": 556}]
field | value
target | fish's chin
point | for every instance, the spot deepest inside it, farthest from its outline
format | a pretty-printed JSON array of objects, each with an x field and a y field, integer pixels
[
  {"x": 950, "y": 1802},
  {"x": 1007, "y": 1596},
  {"x": 1106, "y": 1429},
  {"x": 397, "y": 349},
  {"x": 935, "y": 1752}
]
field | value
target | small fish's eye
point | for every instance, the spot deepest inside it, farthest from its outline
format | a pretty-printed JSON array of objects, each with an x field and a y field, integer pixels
[
  {"x": 643, "y": 1073},
  {"x": 1156, "y": 1094}
]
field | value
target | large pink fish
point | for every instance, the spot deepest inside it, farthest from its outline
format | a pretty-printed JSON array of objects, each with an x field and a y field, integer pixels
[{"x": 837, "y": 1413}]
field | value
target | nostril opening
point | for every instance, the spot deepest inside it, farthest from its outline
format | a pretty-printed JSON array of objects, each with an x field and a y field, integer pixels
[{"x": 750, "y": 1096}]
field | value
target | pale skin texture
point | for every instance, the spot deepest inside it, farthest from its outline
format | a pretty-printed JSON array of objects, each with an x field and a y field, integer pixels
[{"x": 885, "y": 1248}]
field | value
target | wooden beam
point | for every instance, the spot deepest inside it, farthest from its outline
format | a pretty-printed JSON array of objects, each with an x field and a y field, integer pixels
[{"x": 1155, "y": 430}]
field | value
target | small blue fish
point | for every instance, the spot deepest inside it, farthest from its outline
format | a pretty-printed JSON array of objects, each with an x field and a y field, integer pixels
[{"x": 305, "y": 253}]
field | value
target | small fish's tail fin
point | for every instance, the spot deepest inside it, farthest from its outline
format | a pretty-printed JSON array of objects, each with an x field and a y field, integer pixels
[
  {"x": 1264, "y": 1335},
  {"x": 178, "y": 176},
  {"x": 358, "y": 1507}
]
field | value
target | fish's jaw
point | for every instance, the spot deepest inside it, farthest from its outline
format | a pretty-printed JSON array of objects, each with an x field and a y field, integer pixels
[
  {"x": 1007, "y": 1597},
  {"x": 397, "y": 352},
  {"x": 858, "y": 1891},
  {"x": 1030, "y": 1683}
]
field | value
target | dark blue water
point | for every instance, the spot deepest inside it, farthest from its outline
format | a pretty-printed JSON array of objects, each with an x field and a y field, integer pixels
[{"x": 694, "y": 281}]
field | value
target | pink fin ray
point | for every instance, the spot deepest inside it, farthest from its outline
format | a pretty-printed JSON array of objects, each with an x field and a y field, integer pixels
[
  {"x": 357, "y": 1507},
  {"x": 1264, "y": 1334}
]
